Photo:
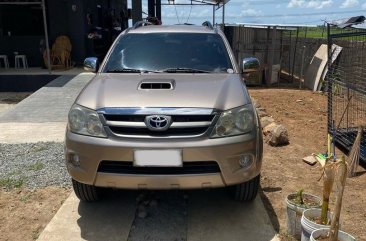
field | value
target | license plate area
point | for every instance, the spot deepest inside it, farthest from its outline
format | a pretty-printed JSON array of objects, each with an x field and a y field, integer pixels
[{"x": 158, "y": 158}]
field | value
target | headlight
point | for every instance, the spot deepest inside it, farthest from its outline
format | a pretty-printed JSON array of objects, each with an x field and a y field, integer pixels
[
  {"x": 234, "y": 122},
  {"x": 85, "y": 122}
]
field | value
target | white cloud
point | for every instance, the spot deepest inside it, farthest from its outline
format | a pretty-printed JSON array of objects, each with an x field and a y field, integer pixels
[
  {"x": 317, "y": 4},
  {"x": 296, "y": 3},
  {"x": 364, "y": 6},
  {"x": 349, "y": 3},
  {"x": 250, "y": 13}
]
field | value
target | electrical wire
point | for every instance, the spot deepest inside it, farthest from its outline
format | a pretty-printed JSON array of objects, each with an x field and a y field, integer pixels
[
  {"x": 189, "y": 15},
  {"x": 176, "y": 13}
]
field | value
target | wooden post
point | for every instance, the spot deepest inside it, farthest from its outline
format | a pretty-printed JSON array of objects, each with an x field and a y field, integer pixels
[
  {"x": 46, "y": 37},
  {"x": 341, "y": 176}
]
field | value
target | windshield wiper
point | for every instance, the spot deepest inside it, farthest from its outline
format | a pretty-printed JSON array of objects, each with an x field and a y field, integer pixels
[
  {"x": 183, "y": 70},
  {"x": 124, "y": 70}
]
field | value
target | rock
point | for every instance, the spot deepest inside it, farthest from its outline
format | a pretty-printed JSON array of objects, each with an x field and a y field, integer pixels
[
  {"x": 300, "y": 100},
  {"x": 141, "y": 211},
  {"x": 142, "y": 214},
  {"x": 266, "y": 120},
  {"x": 261, "y": 109},
  {"x": 255, "y": 103},
  {"x": 261, "y": 113},
  {"x": 153, "y": 203},
  {"x": 276, "y": 135},
  {"x": 269, "y": 128}
]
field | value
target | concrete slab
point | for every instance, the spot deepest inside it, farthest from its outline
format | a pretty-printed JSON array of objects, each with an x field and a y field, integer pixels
[
  {"x": 50, "y": 103},
  {"x": 213, "y": 216},
  {"x": 107, "y": 220},
  {"x": 43, "y": 115},
  {"x": 12, "y": 133}
]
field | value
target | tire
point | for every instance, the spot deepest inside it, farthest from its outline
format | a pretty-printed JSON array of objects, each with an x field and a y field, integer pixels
[
  {"x": 85, "y": 192},
  {"x": 247, "y": 191}
]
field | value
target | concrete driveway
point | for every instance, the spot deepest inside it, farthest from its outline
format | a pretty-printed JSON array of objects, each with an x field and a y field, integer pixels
[{"x": 174, "y": 215}]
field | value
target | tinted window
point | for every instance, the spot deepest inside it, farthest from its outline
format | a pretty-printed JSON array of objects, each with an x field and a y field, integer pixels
[{"x": 161, "y": 51}]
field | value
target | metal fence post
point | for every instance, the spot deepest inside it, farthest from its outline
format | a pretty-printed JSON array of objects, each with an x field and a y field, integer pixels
[
  {"x": 329, "y": 81},
  {"x": 302, "y": 65}
]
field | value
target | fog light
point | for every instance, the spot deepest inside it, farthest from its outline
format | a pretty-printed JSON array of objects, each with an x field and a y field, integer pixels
[
  {"x": 245, "y": 161},
  {"x": 74, "y": 160}
]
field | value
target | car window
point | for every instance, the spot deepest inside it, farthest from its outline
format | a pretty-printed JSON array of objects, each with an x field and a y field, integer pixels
[{"x": 168, "y": 51}]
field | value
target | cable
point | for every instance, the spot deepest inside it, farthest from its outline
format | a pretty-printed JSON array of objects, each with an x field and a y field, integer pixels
[
  {"x": 176, "y": 13},
  {"x": 189, "y": 15}
]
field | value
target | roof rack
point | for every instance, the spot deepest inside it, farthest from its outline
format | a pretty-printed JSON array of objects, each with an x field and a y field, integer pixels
[
  {"x": 141, "y": 23},
  {"x": 207, "y": 24}
]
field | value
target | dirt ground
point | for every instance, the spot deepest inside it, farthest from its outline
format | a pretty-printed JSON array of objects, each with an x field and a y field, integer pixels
[
  {"x": 304, "y": 113},
  {"x": 24, "y": 213}
]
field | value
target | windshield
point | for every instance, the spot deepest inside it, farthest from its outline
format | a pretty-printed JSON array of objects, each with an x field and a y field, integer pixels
[{"x": 170, "y": 52}]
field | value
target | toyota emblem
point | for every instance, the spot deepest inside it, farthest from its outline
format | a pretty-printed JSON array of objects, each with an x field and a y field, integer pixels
[{"x": 158, "y": 122}]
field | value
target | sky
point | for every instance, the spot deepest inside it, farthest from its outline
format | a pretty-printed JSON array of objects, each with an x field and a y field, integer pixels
[{"x": 307, "y": 12}]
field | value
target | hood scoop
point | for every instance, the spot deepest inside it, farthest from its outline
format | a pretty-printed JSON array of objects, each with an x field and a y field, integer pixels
[{"x": 157, "y": 85}]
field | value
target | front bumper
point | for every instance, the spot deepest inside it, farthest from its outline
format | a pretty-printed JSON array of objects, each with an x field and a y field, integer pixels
[{"x": 91, "y": 151}]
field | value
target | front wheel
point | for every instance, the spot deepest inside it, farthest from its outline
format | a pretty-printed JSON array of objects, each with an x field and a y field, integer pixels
[
  {"x": 246, "y": 191},
  {"x": 85, "y": 192}
]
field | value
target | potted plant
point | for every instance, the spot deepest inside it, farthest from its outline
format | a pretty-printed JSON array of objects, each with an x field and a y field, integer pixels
[
  {"x": 323, "y": 234},
  {"x": 333, "y": 233},
  {"x": 316, "y": 218},
  {"x": 296, "y": 204}
]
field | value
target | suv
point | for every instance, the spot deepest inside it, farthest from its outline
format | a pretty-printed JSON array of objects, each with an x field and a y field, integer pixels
[{"x": 167, "y": 109}]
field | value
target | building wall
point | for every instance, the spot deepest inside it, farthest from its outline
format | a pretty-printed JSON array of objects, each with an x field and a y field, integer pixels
[
  {"x": 69, "y": 17},
  {"x": 63, "y": 19}
]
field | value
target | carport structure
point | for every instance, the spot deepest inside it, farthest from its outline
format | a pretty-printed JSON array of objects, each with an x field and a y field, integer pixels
[
  {"x": 55, "y": 18},
  {"x": 154, "y": 7}
]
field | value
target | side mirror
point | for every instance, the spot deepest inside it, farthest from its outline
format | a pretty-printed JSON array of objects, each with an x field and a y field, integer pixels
[
  {"x": 91, "y": 64},
  {"x": 250, "y": 64}
]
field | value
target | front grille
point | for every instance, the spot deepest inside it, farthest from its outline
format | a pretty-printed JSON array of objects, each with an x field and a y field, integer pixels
[
  {"x": 170, "y": 132},
  {"x": 188, "y": 123},
  {"x": 175, "y": 118},
  {"x": 121, "y": 167}
]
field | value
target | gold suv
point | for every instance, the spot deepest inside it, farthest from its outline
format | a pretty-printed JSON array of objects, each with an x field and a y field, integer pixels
[{"x": 167, "y": 109}]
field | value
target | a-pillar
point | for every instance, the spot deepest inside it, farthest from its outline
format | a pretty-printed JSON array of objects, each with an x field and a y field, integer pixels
[
  {"x": 158, "y": 9},
  {"x": 151, "y": 8},
  {"x": 136, "y": 11}
]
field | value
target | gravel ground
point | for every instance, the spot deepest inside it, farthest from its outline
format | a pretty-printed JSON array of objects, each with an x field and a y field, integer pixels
[{"x": 33, "y": 165}]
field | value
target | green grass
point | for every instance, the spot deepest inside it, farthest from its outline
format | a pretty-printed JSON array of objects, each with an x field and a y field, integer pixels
[
  {"x": 38, "y": 149},
  {"x": 10, "y": 183},
  {"x": 24, "y": 198},
  {"x": 36, "y": 166},
  {"x": 321, "y": 32}
]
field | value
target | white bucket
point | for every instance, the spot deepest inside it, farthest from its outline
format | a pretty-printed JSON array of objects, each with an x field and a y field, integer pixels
[
  {"x": 294, "y": 213},
  {"x": 342, "y": 236},
  {"x": 308, "y": 226}
]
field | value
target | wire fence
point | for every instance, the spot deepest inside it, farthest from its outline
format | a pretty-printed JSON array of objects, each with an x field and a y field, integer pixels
[{"x": 346, "y": 81}]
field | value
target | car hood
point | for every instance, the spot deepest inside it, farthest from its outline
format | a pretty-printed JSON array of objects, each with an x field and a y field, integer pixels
[{"x": 219, "y": 91}]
